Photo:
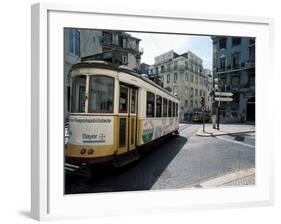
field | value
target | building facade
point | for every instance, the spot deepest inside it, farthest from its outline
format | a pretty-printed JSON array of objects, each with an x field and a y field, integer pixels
[
  {"x": 183, "y": 75},
  {"x": 234, "y": 66},
  {"x": 114, "y": 46}
]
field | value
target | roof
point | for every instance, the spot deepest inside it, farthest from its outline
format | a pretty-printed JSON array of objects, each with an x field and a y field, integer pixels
[{"x": 118, "y": 68}]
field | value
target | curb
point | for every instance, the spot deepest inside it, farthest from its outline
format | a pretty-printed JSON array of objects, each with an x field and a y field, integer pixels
[
  {"x": 199, "y": 133},
  {"x": 226, "y": 179}
]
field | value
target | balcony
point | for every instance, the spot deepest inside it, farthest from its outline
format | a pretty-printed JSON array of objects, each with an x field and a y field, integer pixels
[
  {"x": 236, "y": 67},
  {"x": 108, "y": 42}
]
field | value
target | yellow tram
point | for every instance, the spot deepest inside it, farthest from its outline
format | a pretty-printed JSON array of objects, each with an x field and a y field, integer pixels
[{"x": 114, "y": 111}]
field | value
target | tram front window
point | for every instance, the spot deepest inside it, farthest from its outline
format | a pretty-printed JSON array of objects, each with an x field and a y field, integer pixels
[
  {"x": 101, "y": 94},
  {"x": 78, "y": 94}
]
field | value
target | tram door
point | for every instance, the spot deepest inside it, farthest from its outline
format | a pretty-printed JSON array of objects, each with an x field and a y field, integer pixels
[{"x": 127, "y": 118}]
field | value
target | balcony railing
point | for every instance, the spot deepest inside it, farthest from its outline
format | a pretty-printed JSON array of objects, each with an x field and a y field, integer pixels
[{"x": 239, "y": 66}]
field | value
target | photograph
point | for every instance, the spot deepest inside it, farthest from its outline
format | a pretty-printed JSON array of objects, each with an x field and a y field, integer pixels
[{"x": 157, "y": 111}]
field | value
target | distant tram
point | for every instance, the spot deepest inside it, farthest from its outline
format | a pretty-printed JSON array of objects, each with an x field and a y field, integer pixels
[
  {"x": 198, "y": 116},
  {"x": 115, "y": 111}
]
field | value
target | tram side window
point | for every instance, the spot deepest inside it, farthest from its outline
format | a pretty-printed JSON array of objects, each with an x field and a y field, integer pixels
[
  {"x": 165, "y": 107},
  {"x": 133, "y": 101},
  {"x": 101, "y": 94},
  {"x": 78, "y": 94},
  {"x": 150, "y": 104},
  {"x": 177, "y": 109},
  {"x": 123, "y": 101},
  {"x": 158, "y": 106},
  {"x": 170, "y": 109},
  {"x": 174, "y": 109}
]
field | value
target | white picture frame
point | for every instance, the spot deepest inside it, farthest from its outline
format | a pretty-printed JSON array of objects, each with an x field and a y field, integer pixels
[{"x": 48, "y": 201}]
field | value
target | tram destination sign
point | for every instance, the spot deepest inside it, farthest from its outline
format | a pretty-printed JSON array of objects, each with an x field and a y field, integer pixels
[{"x": 223, "y": 94}]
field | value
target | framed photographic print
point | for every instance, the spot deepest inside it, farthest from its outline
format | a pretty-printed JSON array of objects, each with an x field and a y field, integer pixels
[{"x": 148, "y": 111}]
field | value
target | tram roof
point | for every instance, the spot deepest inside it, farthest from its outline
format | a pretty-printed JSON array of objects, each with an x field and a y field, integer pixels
[{"x": 119, "y": 68}]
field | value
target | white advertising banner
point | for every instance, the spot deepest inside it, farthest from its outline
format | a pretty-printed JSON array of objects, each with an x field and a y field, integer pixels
[
  {"x": 91, "y": 130},
  {"x": 153, "y": 128}
]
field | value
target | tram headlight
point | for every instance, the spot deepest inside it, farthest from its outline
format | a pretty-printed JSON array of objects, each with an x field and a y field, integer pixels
[
  {"x": 83, "y": 151},
  {"x": 90, "y": 151}
]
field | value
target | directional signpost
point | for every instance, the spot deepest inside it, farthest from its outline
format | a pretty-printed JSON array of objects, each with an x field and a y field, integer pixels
[
  {"x": 222, "y": 96},
  {"x": 226, "y": 99}
]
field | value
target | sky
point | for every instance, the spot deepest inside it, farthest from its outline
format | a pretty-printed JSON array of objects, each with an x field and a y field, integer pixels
[{"x": 154, "y": 44}]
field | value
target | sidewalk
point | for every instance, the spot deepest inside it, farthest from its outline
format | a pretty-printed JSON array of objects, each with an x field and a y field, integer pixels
[
  {"x": 225, "y": 129},
  {"x": 238, "y": 178}
]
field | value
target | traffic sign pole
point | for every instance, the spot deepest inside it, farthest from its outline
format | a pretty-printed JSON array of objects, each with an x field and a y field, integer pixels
[
  {"x": 203, "y": 123},
  {"x": 218, "y": 116}
]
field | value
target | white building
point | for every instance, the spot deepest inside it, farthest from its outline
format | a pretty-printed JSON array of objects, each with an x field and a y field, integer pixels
[{"x": 184, "y": 75}]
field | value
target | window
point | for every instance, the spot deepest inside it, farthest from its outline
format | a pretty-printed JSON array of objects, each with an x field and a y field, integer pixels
[
  {"x": 101, "y": 94},
  {"x": 223, "y": 82},
  {"x": 168, "y": 78},
  {"x": 78, "y": 94},
  {"x": 175, "y": 77},
  {"x": 252, "y": 54},
  {"x": 174, "y": 109},
  {"x": 165, "y": 107},
  {"x": 252, "y": 79},
  {"x": 196, "y": 80},
  {"x": 170, "y": 109},
  {"x": 196, "y": 92},
  {"x": 252, "y": 41},
  {"x": 158, "y": 106},
  {"x": 168, "y": 67},
  {"x": 186, "y": 65},
  {"x": 186, "y": 91},
  {"x": 133, "y": 101},
  {"x": 192, "y": 78},
  {"x": 222, "y": 63},
  {"x": 186, "y": 77},
  {"x": 222, "y": 43},
  {"x": 162, "y": 69},
  {"x": 191, "y": 92},
  {"x": 236, "y": 41},
  {"x": 235, "y": 80},
  {"x": 124, "y": 42},
  {"x": 175, "y": 65},
  {"x": 177, "y": 109},
  {"x": 123, "y": 99},
  {"x": 122, "y": 132},
  {"x": 192, "y": 68},
  {"x": 156, "y": 71},
  {"x": 107, "y": 38},
  {"x": 74, "y": 41},
  {"x": 124, "y": 59},
  {"x": 185, "y": 103},
  {"x": 236, "y": 60},
  {"x": 150, "y": 102}
]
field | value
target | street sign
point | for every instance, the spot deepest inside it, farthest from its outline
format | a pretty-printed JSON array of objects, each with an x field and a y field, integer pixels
[
  {"x": 223, "y": 94},
  {"x": 223, "y": 99},
  {"x": 203, "y": 108}
]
